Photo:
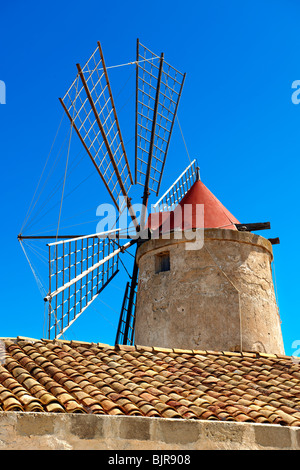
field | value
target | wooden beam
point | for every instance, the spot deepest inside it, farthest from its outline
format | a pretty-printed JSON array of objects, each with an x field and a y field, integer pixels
[
  {"x": 274, "y": 241},
  {"x": 46, "y": 237},
  {"x": 253, "y": 227}
]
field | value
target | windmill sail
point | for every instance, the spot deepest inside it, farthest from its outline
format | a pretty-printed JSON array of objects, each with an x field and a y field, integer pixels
[
  {"x": 90, "y": 107},
  {"x": 179, "y": 188},
  {"x": 79, "y": 269},
  {"x": 158, "y": 91}
]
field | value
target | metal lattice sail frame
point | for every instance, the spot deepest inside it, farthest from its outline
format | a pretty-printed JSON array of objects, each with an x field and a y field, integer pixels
[
  {"x": 158, "y": 91},
  {"x": 79, "y": 269},
  {"x": 90, "y": 107},
  {"x": 178, "y": 190}
]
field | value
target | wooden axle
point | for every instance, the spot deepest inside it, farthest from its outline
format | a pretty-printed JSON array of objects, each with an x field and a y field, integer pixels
[{"x": 253, "y": 227}]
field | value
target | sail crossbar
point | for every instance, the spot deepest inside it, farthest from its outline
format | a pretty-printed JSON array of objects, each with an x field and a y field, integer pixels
[{"x": 109, "y": 233}]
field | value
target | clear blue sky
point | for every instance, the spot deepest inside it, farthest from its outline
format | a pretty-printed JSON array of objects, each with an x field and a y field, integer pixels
[{"x": 236, "y": 115}]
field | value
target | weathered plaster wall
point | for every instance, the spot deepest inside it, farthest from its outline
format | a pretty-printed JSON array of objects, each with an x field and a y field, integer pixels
[
  {"x": 219, "y": 297},
  {"x": 51, "y": 431}
]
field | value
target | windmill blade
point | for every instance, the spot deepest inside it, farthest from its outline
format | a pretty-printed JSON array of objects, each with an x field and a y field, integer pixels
[
  {"x": 158, "y": 91},
  {"x": 90, "y": 107},
  {"x": 79, "y": 269},
  {"x": 179, "y": 188}
]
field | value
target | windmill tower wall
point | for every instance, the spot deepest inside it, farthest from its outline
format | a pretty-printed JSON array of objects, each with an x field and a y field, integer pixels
[{"x": 219, "y": 297}]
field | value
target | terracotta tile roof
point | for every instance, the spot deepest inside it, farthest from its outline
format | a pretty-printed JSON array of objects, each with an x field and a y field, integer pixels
[{"x": 57, "y": 376}]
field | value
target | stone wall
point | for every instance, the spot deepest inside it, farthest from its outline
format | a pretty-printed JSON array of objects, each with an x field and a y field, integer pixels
[
  {"x": 219, "y": 297},
  {"x": 52, "y": 431}
]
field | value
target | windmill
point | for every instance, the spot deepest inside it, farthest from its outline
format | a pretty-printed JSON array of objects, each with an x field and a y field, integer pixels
[{"x": 80, "y": 267}]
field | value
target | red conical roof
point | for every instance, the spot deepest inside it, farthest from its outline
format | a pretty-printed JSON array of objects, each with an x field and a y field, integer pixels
[{"x": 184, "y": 216}]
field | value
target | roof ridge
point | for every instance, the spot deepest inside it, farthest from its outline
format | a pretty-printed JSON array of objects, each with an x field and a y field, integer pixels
[{"x": 77, "y": 343}]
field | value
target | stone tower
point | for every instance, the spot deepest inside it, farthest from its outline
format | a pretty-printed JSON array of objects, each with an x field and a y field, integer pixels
[{"x": 219, "y": 296}]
